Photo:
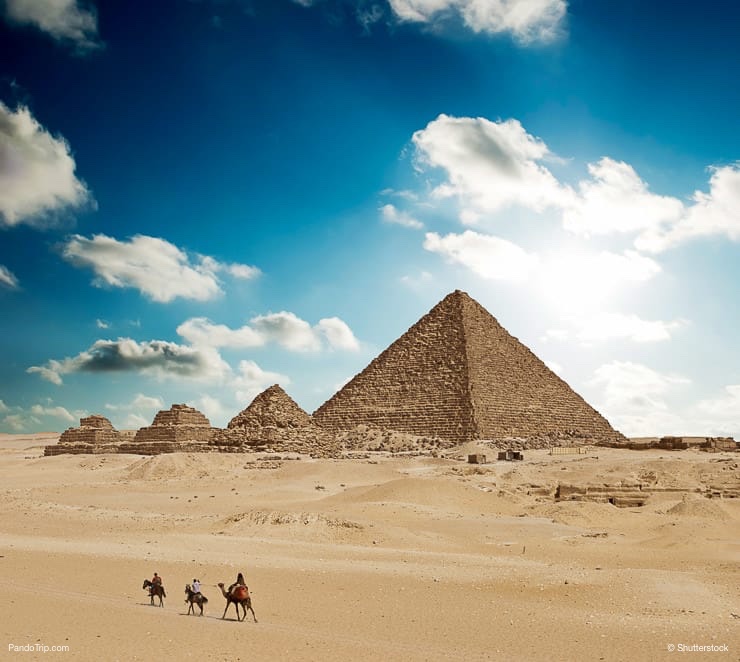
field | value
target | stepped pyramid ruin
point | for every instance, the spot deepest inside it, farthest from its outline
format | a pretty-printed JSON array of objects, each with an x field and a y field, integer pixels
[
  {"x": 459, "y": 375},
  {"x": 95, "y": 434},
  {"x": 180, "y": 428}
]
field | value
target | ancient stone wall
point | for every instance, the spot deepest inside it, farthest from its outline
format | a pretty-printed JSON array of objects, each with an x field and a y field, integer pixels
[{"x": 418, "y": 385}]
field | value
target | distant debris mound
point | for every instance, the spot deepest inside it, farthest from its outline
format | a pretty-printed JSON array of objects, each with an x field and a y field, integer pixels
[
  {"x": 95, "y": 434},
  {"x": 459, "y": 375},
  {"x": 274, "y": 422}
]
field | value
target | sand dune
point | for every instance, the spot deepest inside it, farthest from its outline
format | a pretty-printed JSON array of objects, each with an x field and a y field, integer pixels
[{"x": 408, "y": 559}]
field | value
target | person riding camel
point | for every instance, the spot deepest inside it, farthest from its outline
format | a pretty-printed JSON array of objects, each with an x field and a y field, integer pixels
[
  {"x": 156, "y": 581},
  {"x": 239, "y": 582}
]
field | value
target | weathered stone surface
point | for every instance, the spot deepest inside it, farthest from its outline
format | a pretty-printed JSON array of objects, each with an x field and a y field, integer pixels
[
  {"x": 457, "y": 374},
  {"x": 273, "y": 407},
  {"x": 95, "y": 434},
  {"x": 273, "y": 422},
  {"x": 178, "y": 425}
]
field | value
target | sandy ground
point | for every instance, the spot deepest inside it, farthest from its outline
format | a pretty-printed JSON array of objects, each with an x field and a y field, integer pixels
[{"x": 397, "y": 559}]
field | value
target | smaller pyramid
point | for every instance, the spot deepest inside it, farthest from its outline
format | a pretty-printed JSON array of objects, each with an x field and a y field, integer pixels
[
  {"x": 95, "y": 434},
  {"x": 271, "y": 408},
  {"x": 179, "y": 424}
]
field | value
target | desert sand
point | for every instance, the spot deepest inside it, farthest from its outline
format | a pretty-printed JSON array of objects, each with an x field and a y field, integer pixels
[{"x": 397, "y": 558}]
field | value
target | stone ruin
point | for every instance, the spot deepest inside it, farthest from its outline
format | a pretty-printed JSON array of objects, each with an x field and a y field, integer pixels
[
  {"x": 178, "y": 429},
  {"x": 275, "y": 423},
  {"x": 459, "y": 375},
  {"x": 95, "y": 434}
]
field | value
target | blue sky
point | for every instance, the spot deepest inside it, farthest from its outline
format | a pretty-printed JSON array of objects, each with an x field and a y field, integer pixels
[{"x": 200, "y": 198}]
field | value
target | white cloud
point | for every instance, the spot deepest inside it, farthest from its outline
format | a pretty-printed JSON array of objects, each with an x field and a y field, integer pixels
[
  {"x": 283, "y": 328},
  {"x": 135, "y": 421},
  {"x": 337, "y": 334},
  {"x": 489, "y": 165},
  {"x": 20, "y": 422},
  {"x": 213, "y": 409},
  {"x": 585, "y": 280},
  {"x": 489, "y": 257},
  {"x": 3, "y": 407},
  {"x": 37, "y": 178},
  {"x": 200, "y": 331},
  {"x": 7, "y": 278},
  {"x": 102, "y": 324},
  {"x": 602, "y": 327},
  {"x": 55, "y": 412},
  {"x": 526, "y": 20},
  {"x": 391, "y": 214},
  {"x": 721, "y": 414},
  {"x": 617, "y": 200},
  {"x": 634, "y": 399},
  {"x": 157, "y": 268},
  {"x": 251, "y": 380},
  {"x": 716, "y": 213},
  {"x": 64, "y": 20},
  {"x": 156, "y": 357},
  {"x": 140, "y": 402}
]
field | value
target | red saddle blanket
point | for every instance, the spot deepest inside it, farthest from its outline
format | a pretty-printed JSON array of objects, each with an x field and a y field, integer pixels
[{"x": 240, "y": 593}]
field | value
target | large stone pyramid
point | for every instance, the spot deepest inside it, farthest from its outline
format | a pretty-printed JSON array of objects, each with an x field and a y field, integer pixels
[{"x": 458, "y": 374}]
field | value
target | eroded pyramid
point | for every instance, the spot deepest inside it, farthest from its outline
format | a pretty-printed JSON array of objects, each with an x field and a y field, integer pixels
[
  {"x": 458, "y": 374},
  {"x": 272, "y": 407}
]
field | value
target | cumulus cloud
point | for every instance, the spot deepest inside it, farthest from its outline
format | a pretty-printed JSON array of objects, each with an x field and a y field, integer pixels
[
  {"x": 588, "y": 279},
  {"x": 615, "y": 199},
  {"x": 712, "y": 214},
  {"x": 721, "y": 413},
  {"x": 200, "y": 331},
  {"x": 391, "y": 214},
  {"x": 37, "y": 180},
  {"x": 7, "y": 278},
  {"x": 526, "y": 20},
  {"x": 55, "y": 412},
  {"x": 251, "y": 380},
  {"x": 158, "y": 269},
  {"x": 489, "y": 166},
  {"x": 139, "y": 402},
  {"x": 64, "y": 20},
  {"x": 487, "y": 256},
  {"x": 634, "y": 401},
  {"x": 605, "y": 326},
  {"x": 156, "y": 357},
  {"x": 284, "y": 328},
  {"x": 19, "y": 419}
]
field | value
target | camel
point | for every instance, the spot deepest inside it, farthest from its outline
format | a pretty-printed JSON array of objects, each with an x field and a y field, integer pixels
[
  {"x": 239, "y": 596},
  {"x": 155, "y": 590},
  {"x": 194, "y": 599}
]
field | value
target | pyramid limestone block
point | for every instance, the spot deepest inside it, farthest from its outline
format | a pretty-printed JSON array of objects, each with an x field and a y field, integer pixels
[{"x": 458, "y": 374}]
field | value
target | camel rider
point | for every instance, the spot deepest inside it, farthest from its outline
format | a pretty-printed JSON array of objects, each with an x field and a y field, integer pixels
[
  {"x": 239, "y": 582},
  {"x": 196, "y": 586},
  {"x": 156, "y": 581}
]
